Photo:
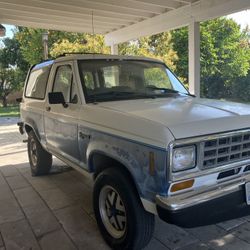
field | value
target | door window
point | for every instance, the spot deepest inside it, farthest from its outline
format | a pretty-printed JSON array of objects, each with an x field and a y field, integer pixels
[{"x": 64, "y": 82}]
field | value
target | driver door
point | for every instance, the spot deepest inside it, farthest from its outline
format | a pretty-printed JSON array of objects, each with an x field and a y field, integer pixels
[{"x": 61, "y": 124}]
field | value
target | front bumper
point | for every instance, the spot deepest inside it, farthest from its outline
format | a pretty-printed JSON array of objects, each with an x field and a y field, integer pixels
[{"x": 207, "y": 206}]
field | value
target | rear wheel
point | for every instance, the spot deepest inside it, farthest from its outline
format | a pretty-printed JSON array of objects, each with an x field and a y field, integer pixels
[
  {"x": 40, "y": 160},
  {"x": 121, "y": 218}
]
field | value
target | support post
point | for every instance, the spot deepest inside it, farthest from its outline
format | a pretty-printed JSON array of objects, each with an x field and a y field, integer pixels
[
  {"x": 45, "y": 36},
  {"x": 114, "y": 49},
  {"x": 194, "y": 58}
]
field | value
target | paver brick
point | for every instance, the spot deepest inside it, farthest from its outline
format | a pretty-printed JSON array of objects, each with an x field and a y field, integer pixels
[
  {"x": 17, "y": 182},
  {"x": 9, "y": 171},
  {"x": 81, "y": 228},
  {"x": 196, "y": 246},
  {"x": 5, "y": 193},
  {"x": 10, "y": 211},
  {"x": 56, "y": 240},
  {"x": 231, "y": 224},
  {"x": 55, "y": 198},
  {"x": 243, "y": 232},
  {"x": 39, "y": 183},
  {"x": 40, "y": 217},
  {"x": 1, "y": 241},
  {"x": 18, "y": 235},
  {"x": 228, "y": 242},
  {"x": 206, "y": 233},
  {"x": 155, "y": 244},
  {"x": 172, "y": 236}
]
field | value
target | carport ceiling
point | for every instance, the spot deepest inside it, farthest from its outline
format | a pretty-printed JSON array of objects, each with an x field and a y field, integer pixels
[
  {"x": 76, "y": 15},
  {"x": 119, "y": 20}
]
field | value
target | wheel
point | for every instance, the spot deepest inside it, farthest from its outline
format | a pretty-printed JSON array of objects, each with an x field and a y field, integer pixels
[
  {"x": 121, "y": 218},
  {"x": 40, "y": 160}
]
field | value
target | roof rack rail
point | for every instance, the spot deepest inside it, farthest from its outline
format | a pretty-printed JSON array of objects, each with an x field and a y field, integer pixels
[{"x": 79, "y": 53}]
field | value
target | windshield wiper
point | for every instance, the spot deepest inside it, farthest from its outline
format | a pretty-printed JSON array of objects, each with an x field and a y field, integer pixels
[
  {"x": 117, "y": 94},
  {"x": 166, "y": 90},
  {"x": 112, "y": 93}
]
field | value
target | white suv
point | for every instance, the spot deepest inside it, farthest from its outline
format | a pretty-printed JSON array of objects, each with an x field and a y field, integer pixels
[{"x": 150, "y": 146}]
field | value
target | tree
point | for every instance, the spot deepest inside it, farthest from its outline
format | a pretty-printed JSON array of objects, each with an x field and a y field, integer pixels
[
  {"x": 85, "y": 44},
  {"x": 224, "y": 56},
  {"x": 59, "y": 42},
  {"x": 12, "y": 68},
  {"x": 158, "y": 46}
]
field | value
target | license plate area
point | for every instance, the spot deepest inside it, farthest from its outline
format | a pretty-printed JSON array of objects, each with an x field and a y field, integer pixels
[{"x": 248, "y": 193}]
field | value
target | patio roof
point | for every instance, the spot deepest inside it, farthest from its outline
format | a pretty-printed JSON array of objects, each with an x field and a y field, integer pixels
[{"x": 119, "y": 20}]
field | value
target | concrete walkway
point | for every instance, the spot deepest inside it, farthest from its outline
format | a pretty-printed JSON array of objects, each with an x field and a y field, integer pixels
[{"x": 55, "y": 211}]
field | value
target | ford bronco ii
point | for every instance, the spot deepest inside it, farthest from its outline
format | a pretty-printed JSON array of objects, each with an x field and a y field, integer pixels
[{"x": 150, "y": 146}]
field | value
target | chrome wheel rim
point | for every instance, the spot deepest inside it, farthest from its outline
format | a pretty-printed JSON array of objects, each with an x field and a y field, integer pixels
[
  {"x": 33, "y": 152},
  {"x": 112, "y": 212}
]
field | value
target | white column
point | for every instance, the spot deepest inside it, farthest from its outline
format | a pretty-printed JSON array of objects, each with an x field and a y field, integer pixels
[
  {"x": 194, "y": 58},
  {"x": 114, "y": 49}
]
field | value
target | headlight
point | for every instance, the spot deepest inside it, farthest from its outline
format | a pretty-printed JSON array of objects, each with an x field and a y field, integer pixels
[{"x": 183, "y": 158}]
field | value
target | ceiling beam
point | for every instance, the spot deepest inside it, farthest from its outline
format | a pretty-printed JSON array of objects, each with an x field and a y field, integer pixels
[
  {"x": 44, "y": 6},
  {"x": 79, "y": 27},
  {"x": 169, "y": 4},
  {"x": 96, "y": 7},
  {"x": 53, "y": 18},
  {"x": 67, "y": 14},
  {"x": 133, "y": 5},
  {"x": 201, "y": 11},
  {"x": 50, "y": 26}
]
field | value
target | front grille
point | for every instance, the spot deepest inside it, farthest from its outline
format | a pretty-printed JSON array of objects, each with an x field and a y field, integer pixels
[{"x": 225, "y": 150}]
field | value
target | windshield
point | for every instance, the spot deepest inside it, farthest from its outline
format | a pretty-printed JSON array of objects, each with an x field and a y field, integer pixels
[{"x": 109, "y": 80}]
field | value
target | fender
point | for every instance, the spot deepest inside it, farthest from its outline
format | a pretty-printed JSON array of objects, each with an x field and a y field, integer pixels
[{"x": 135, "y": 158}]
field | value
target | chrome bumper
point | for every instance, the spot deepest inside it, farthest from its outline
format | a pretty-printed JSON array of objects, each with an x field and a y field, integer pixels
[{"x": 196, "y": 197}]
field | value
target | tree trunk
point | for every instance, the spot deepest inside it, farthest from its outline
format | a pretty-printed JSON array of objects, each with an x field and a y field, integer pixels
[{"x": 4, "y": 101}]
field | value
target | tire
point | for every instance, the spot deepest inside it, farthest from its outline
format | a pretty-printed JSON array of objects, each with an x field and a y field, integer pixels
[
  {"x": 121, "y": 218},
  {"x": 40, "y": 160}
]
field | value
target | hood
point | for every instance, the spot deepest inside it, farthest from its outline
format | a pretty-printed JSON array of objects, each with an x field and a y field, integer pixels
[{"x": 187, "y": 116}]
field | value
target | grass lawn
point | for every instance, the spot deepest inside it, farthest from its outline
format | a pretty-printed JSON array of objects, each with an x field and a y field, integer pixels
[{"x": 10, "y": 111}]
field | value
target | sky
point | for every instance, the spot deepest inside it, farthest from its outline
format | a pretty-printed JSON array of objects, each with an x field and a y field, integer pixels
[{"x": 242, "y": 18}]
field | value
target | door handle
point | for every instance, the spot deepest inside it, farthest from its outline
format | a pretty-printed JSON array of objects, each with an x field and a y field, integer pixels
[{"x": 48, "y": 109}]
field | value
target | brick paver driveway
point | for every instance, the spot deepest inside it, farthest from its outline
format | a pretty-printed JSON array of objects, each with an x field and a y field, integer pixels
[{"x": 55, "y": 211}]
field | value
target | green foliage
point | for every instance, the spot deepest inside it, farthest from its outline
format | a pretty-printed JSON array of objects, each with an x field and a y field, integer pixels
[
  {"x": 11, "y": 111},
  {"x": 59, "y": 42},
  {"x": 85, "y": 44},
  {"x": 158, "y": 46},
  {"x": 225, "y": 56},
  {"x": 12, "y": 69}
]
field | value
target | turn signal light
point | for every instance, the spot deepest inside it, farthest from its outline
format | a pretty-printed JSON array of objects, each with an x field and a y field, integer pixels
[{"x": 182, "y": 185}]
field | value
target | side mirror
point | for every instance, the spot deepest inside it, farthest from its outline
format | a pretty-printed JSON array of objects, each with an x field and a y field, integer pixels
[
  {"x": 19, "y": 100},
  {"x": 57, "y": 98}
]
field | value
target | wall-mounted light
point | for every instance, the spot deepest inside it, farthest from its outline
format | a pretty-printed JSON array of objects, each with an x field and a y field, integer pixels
[{"x": 2, "y": 30}]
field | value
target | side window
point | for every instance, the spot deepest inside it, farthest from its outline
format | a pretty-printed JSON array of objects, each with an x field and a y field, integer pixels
[
  {"x": 37, "y": 82},
  {"x": 64, "y": 83}
]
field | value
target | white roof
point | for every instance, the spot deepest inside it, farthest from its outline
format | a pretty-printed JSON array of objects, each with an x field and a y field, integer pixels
[{"x": 119, "y": 20}]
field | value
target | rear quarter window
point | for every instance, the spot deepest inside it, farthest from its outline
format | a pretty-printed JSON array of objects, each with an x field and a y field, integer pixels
[{"x": 37, "y": 83}]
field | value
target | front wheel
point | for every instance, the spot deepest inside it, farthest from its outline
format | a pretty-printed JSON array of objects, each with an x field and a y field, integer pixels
[
  {"x": 40, "y": 160},
  {"x": 121, "y": 218}
]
